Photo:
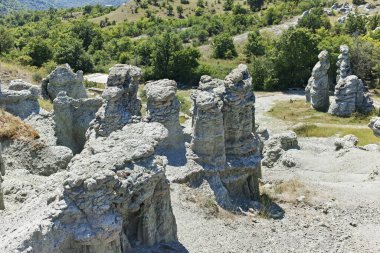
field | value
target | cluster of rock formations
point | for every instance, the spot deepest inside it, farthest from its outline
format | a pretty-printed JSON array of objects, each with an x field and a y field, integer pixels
[
  {"x": 107, "y": 190},
  {"x": 350, "y": 96}
]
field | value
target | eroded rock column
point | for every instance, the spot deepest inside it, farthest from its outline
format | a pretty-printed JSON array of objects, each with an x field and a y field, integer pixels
[
  {"x": 72, "y": 119},
  {"x": 163, "y": 107},
  {"x": 318, "y": 84},
  {"x": 2, "y": 173},
  {"x": 121, "y": 104},
  {"x": 239, "y": 102},
  {"x": 207, "y": 142}
]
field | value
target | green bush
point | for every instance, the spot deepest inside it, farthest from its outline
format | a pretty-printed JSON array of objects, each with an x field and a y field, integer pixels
[{"x": 223, "y": 47}]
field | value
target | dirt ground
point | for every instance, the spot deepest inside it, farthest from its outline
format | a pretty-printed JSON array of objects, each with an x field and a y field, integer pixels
[{"x": 331, "y": 201}]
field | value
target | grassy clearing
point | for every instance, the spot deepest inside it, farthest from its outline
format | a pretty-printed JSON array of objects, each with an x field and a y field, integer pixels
[
  {"x": 14, "y": 128},
  {"x": 365, "y": 136},
  {"x": 183, "y": 97},
  {"x": 299, "y": 111}
]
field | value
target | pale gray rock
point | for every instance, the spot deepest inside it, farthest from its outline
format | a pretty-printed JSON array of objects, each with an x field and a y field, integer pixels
[
  {"x": 347, "y": 142},
  {"x": 63, "y": 79},
  {"x": 21, "y": 101},
  {"x": 374, "y": 124},
  {"x": 35, "y": 156},
  {"x": 20, "y": 85},
  {"x": 238, "y": 100},
  {"x": 317, "y": 90},
  {"x": 2, "y": 173},
  {"x": 224, "y": 150},
  {"x": 121, "y": 104},
  {"x": 351, "y": 96},
  {"x": 276, "y": 146},
  {"x": 343, "y": 63},
  {"x": 72, "y": 119},
  {"x": 207, "y": 141},
  {"x": 115, "y": 198},
  {"x": 163, "y": 107}
]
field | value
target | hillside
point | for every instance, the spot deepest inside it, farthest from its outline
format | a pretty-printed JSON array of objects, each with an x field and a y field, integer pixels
[{"x": 8, "y": 5}]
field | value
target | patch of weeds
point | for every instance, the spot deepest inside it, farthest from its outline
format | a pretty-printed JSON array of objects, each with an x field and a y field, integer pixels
[{"x": 45, "y": 104}]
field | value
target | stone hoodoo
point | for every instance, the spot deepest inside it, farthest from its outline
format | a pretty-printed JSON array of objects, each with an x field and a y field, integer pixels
[
  {"x": 207, "y": 142},
  {"x": 72, "y": 119},
  {"x": 238, "y": 106},
  {"x": 343, "y": 63},
  {"x": 163, "y": 107},
  {"x": 115, "y": 198},
  {"x": 63, "y": 79},
  {"x": 21, "y": 99},
  {"x": 350, "y": 95},
  {"x": 2, "y": 173},
  {"x": 223, "y": 146},
  {"x": 121, "y": 104},
  {"x": 374, "y": 124},
  {"x": 317, "y": 90}
]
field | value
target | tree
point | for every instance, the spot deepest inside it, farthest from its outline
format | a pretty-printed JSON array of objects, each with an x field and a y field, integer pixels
[
  {"x": 69, "y": 50},
  {"x": 355, "y": 24},
  {"x": 294, "y": 55},
  {"x": 185, "y": 62},
  {"x": 255, "y": 4},
  {"x": 180, "y": 10},
  {"x": 170, "y": 10},
  {"x": 314, "y": 20},
  {"x": 228, "y": 4},
  {"x": 39, "y": 51},
  {"x": 255, "y": 45},
  {"x": 164, "y": 46},
  {"x": 84, "y": 31},
  {"x": 223, "y": 46},
  {"x": 6, "y": 40}
]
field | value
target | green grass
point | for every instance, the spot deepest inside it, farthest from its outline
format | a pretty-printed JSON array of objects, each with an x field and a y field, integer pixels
[
  {"x": 299, "y": 111},
  {"x": 365, "y": 136},
  {"x": 184, "y": 98},
  {"x": 45, "y": 104}
]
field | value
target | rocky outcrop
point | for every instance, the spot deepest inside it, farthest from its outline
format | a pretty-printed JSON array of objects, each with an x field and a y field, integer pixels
[
  {"x": 343, "y": 63},
  {"x": 114, "y": 199},
  {"x": 238, "y": 100},
  {"x": 121, "y": 104},
  {"x": 207, "y": 143},
  {"x": 351, "y": 96},
  {"x": 2, "y": 173},
  {"x": 317, "y": 90},
  {"x": 374, "y": 124},
  {"x": 347, "y": 142},
  {"x": 276, "y": 146},
  {"x": 163, "y": 107},
  {"x": 224, "y": 150},
  {"x": 21, "y": 99},
  {"x": 72, "y": 119},
  {"x": 63, "y": 79}
]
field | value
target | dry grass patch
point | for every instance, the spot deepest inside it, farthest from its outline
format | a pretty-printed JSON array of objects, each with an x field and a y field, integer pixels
[
  {"x": 14, "y": 128},
  {"x": 288, "y": 191},
  {"x": 45, "y": 104}
]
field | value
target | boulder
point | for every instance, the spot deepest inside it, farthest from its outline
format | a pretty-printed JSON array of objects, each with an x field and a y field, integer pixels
[
  {"x": 317, "y": 90},
  {"x": 163, "y": 107},
  {"x": 121, "y": 104},
  {"x": 63, "y": 79},
  {"x": 347, "y": 142},
  {"x": 343, "y": 63},
  {"x": 276, "y": 146},
  {"x": 72, "y": 119}
]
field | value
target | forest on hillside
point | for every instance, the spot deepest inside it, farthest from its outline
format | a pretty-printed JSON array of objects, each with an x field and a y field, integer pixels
[{"x": 176, "y": 47}]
